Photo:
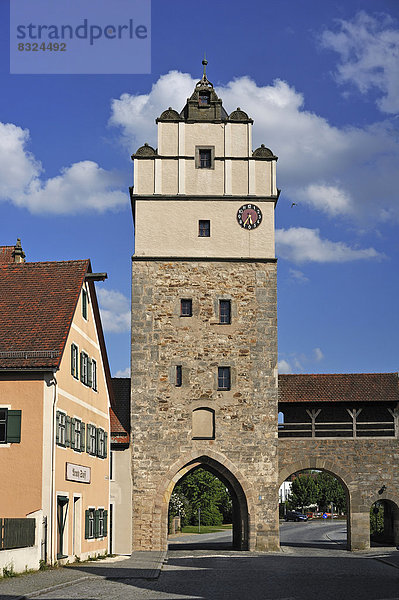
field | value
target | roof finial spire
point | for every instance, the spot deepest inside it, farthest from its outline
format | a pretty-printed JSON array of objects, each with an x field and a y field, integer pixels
[{"x": 204, "y": 62}]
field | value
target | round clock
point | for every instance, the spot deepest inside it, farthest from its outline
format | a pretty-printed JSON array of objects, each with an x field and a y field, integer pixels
[{"x": 249, "y": 216}]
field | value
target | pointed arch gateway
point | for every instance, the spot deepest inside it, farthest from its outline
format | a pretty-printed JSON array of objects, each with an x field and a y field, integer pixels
[{"x": 240, "y": 490}]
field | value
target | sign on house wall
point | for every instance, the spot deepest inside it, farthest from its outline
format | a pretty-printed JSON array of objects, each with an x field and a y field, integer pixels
[{"x": 78, "y": 473}]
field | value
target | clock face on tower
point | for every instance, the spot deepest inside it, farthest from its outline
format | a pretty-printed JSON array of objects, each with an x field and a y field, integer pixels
[{"x": 249, "y": 216}]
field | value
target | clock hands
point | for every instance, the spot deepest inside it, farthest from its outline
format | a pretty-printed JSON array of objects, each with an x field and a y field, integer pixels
[{"x": 249, "y": 218}]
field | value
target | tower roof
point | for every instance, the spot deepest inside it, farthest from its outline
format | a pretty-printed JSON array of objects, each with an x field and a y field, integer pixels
[{"x": 204, "y": 105}]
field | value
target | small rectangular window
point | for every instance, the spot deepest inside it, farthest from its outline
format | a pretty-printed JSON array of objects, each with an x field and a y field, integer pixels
[
  {"x": 74, "y": 361},
  {"x": 84, "y": 304},
  {"x": 203, "y": 99},
  {"x": 186, "y": 307},
  {"x": 224, "y": 378},
  {"x": 91, "y": 439},
  {"x": 178, "y": 376},
  {"x": 89, "y": 526},
  {"x": 205, "y": 158},
  {"x": 3, "y": 425},
  {"x": 224, "y": 312},
  {"x": 204, "y": 228},
  {"x": 61, "y": 429},
  {"x": 77, "y": 435},
  {"x": 85, "y": 369}
]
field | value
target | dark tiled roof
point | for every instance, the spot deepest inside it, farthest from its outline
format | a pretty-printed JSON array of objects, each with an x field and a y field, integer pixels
[
  {"x": 352, "y": 387},
  {"x": 37, "y": 304},
  {"x": 120, "y": 411},
  {"x": 6, "y": 256}
]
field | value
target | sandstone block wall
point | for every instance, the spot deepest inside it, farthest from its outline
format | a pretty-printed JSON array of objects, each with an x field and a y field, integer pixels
[
  {"x": 245, "y": 442},
  {"x": 364, "y": 466}
]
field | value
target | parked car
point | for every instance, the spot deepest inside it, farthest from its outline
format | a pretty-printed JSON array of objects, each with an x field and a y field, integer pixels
[{"x": 295, "y": 515}]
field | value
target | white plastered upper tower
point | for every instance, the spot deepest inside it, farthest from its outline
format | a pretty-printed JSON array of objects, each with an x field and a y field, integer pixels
[{"x": 203, "y": 169}]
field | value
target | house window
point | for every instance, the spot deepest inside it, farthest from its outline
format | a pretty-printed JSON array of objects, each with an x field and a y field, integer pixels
[
  {"x": 61, "y": 419},
  {"x": 186, "y": 307},
  {"x": 85, "y": 369},
  {"x": 179, "y": 379},
  {"x": 89, "y": 523},
  {"x": 204, "y": 228},
  {"x": 203, "y": 99},
  {"x": 3, "y": 425},
  {"x": 224, "y": 379},
  {"x": 77, "y": 434},
  {"x": 10, "y": 426},
  {"x": 84, "y": 304},
  {"x": 94, "y": 375},
  {"x": 74, "y": 361},
  {"x": 224, "y": 312},
  {"x": 91, "y": 444},
  {"x": 100, "y": 529},
  {"x": 205, "y": 158},
  {"x": 101, "y": 443}
]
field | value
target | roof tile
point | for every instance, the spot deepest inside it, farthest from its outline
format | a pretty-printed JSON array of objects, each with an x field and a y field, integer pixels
[{"x": 350, "y": 387}]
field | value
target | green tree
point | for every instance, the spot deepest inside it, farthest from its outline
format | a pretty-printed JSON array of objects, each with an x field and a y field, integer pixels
[
  {"x": 203, "y": 490},
  {"x": 304, "y": 491},
  {"x": 330, "y": 490}
]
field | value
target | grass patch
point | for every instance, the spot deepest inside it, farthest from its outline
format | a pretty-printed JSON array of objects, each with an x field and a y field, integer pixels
[{"x": 205, "y": 528}]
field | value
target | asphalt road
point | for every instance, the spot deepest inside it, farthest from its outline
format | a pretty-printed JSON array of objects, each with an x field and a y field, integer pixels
[{"x": 311, "y": 566}]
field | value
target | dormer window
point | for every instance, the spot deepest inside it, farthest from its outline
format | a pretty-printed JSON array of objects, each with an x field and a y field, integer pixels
[{"x": 204, "y": 99}]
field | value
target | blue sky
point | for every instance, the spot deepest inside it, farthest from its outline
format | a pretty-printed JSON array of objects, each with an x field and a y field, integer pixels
[{"x": 320, "y": 80}]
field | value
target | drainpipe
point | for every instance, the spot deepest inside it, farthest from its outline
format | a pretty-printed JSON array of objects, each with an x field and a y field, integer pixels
[{"x": 52, "y": 499}]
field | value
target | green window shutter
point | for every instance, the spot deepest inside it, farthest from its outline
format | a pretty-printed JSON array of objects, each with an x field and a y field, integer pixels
[
  {"x": 14, "y": 426},
  {"x": 96, "y": 523},
  {"x": 89, "y": 372},
  {"x": 105, "y": 445},
  {"x": 81, "y": 367},
  {"x": 67, "y": 431},
  {"x": 82, "y": 437},
  {"x": 57, "y": 428},
  {"x": 105, "y": 523},
  {"x": 72, "y": 432},
  {"x": 88, "y": 438},
  {"x": 72, "y": 360},
  {"x": 98, "y": 433},
  {"x": 86, "y": 524}
]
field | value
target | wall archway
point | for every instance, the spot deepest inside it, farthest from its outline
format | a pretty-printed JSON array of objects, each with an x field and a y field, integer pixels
[
  {"x": 240, "y": 490},
  {"x": 390, "y": 533},
  {"x": 329, "y": 467}
]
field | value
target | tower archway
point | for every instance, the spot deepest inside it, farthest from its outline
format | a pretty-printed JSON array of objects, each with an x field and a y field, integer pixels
[{"x": 238, "y": 488}]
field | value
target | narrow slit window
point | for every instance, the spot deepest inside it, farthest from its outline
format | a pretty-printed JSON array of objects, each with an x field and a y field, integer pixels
[
  {"x": 224, "y": 312},
  {"x": 84, "y": 304},
  {"x": 224, "y": 378},
  {"x": 179, "y": 379},
  {"x": 186, "y": 307},
  {"x": 204, "y": 228}
]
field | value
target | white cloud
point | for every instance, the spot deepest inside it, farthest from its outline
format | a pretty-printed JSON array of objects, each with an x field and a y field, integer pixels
[
  {"x": 82, "y": 186},
  {"x": 284, "y": 366},
  {"x": 349, "y": 171},
  {"x": 299, "y": 244},
  {"x": 295, "y": 361},
  {"x": 368, "y": 47},
  {"x": 115, "y": 311},
  {"x": 123, "y": 372},
  {"x": 298, "y": 276}
]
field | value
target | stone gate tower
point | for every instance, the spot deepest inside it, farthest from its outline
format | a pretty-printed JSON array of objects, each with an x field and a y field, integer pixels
[{"x": 204, "y": 327}]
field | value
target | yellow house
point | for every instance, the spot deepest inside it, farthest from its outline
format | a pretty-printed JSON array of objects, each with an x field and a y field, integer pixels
[{"x": 55, "y": 394}]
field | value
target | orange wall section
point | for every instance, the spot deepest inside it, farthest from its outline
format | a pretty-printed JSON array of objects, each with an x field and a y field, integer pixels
[{"x": 21, "y": 464}]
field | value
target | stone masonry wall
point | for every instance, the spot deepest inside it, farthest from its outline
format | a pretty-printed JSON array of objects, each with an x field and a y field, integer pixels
[
  {"x": 245, "y": 416},
  {"x": 364, "y": 465}
]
